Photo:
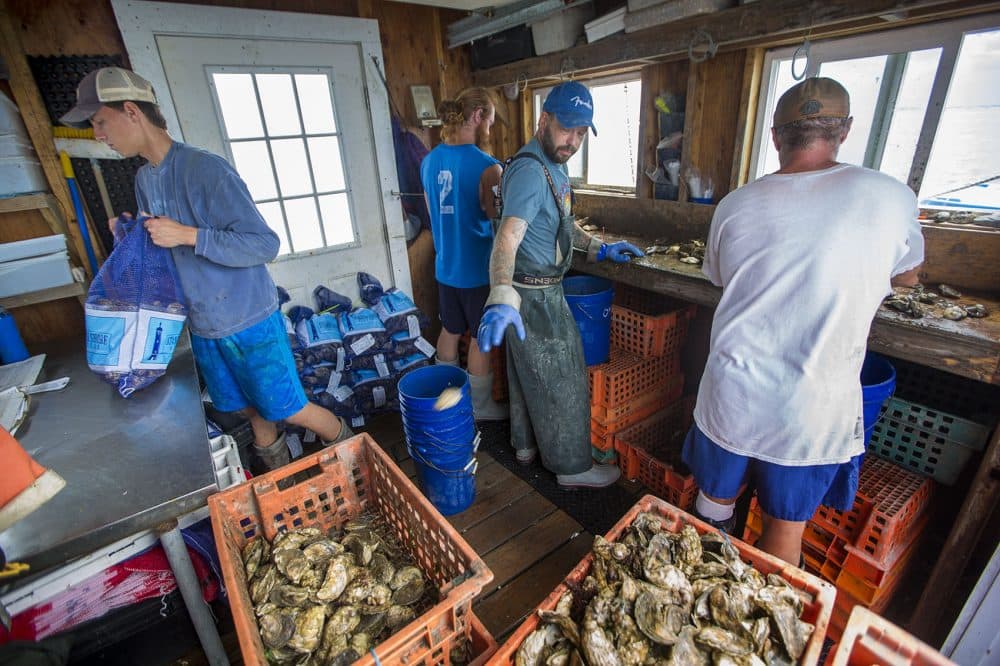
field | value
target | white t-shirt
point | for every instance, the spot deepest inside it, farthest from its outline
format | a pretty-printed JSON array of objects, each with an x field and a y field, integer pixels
[{"x": 804, "y": 261}]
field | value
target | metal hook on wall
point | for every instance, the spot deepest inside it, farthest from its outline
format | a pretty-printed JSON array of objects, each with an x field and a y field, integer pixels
[
  {"x": 710, "y": 46},
  {"x": 802, "y": 50}
]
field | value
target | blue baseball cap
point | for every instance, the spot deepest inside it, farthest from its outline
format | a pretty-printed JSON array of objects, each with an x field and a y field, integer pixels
[{"x": 572, "y": 105}]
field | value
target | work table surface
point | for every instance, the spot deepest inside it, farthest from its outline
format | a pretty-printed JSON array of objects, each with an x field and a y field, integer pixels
[
  {"x": 129, "y": 465},
  {"x": 970, "y": 347}
]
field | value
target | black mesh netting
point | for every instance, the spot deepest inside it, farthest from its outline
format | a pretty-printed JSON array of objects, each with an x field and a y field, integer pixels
[{"x": 597, "y": 510}]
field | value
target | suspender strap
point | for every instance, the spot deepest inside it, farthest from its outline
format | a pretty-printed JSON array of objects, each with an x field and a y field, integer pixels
[{"x": 548, "y": 177}]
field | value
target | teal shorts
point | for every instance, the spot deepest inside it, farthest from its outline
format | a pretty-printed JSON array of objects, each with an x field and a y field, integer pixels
[
  {"x": 785, "y": 492},
  {"x": 252, "y": 368}
]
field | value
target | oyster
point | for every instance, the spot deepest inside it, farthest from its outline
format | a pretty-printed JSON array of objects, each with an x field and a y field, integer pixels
[
  {"x": 660, "y": 622},
  {"x": 685, "y": 652},
  {"x": 255, "y": 552},
  {"x": 290, "y": 596},
  {"x": 291, "y": 563},
  {"x": 407, "y": 586},
  {"x": 372, "y": 623},
  {"x": 397, "y": 616},
  {"x": 954, "y": 313},
  {"x": 362, "y": 543},
  {"x": 596, "y": 646},
  {"x": 343, "y": 621},
  {"x": 276, "y": 628},
  {"x": 688, "y": 548},
  {"x": 322, "y": 551},
  {"x": 950, "y": 292},
  {"x": 976, "y": 311},
  {"x": 382, "y": 569},
  {"x": 338, "y": 575},
  {"x": 260, "y": 588},
  {"x": 723, "y": 640},
  {"x": 532, "y": 650},
  {"x": 294, "y": 538},
  {"x": 308, "y": 629},
  {"x": 690, "y": 260}
]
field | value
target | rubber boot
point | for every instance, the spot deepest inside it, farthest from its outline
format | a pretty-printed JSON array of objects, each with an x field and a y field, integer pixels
[
  {"x": 345, "y": 433},
  {"x": 484, "y": 408},
  {"x": 598, "y": 476},
  {"x": 453, "y": 362},
  {"x": 273, "y": 456}
]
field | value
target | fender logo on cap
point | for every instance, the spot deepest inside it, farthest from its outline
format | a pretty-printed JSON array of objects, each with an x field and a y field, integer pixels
[{"x": 579, "y": 101}]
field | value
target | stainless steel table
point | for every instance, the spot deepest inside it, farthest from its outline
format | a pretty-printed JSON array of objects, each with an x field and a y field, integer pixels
[{"x": 130, "y": 466}]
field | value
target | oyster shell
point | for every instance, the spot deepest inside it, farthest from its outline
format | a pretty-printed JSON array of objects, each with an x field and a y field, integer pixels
[
  {"x": 660, "y": 622},
  {"x": 308, "y": 629},
  {"x": 276, "y": 628},
  {"x": 254, "y": 552}
]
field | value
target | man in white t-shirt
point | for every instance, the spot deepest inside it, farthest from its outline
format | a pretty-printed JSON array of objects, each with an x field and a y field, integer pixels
[{"x": 804, "y": 257}]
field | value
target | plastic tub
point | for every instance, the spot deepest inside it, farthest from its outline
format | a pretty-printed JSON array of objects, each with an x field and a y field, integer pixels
[
  {"x": 878, "y": 381},
  {"x": 441, "y": 443},
  {"x": 589, "y": 300}
]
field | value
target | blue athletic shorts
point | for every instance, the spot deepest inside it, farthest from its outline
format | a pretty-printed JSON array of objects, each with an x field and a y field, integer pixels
[
  {"x": 252, "y": 368},
  {"x": 784, "y": 492},
  {"x": 461, "y": 308}
]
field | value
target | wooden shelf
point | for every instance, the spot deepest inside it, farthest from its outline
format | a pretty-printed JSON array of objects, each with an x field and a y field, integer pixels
[{"x": 72, "y": 290}]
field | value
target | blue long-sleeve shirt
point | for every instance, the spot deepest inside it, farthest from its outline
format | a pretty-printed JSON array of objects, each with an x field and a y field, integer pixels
[{"x": 224, "y": 277}]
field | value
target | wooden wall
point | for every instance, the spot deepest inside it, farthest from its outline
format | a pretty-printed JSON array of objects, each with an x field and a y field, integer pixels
[{"x": 413, "y": 47}]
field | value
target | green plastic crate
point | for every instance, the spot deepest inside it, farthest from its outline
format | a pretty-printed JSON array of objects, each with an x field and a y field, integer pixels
[{"x": 925, "y": 440}]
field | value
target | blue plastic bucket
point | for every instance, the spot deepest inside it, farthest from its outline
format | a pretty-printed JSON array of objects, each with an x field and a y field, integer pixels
[
  {"x": 441, "y": 443},
  {"x": 589, "y": 300},
  {"x": 878, "y": 381}
]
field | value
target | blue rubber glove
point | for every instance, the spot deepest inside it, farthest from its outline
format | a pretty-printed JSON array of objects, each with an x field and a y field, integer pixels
[
  {"x": 619, "y": 252},
  {"x": 494, "y": 324}
]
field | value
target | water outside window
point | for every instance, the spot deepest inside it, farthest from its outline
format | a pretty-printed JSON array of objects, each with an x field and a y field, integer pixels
[{"x": 281, "y": 131}]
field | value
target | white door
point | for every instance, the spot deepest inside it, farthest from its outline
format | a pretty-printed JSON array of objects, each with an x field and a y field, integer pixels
[{"x": 295, "y": 103}]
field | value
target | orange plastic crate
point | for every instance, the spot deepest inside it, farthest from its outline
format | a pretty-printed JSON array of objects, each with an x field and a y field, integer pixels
[
  {"x": 650, "y": 329},
  {"x": 602, "y": 434},
  {"x": 325, "y": 490},
  {"x": 870, "y": 639},
  {"x": 665, "y": 393},
  {"x": 816, "y": 611},
  {"x": 860, "y": 565},
  {"x": 627, "y": 376},
  {"x": 653, "y": 450},
  {"x": 898, "y": 497}
]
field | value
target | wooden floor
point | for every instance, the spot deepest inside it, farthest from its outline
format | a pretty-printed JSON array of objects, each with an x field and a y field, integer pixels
[{"x": 527, "y": 542}]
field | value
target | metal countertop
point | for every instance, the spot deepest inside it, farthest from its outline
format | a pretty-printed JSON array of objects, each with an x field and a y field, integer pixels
[{"x": 129, "y": 465}]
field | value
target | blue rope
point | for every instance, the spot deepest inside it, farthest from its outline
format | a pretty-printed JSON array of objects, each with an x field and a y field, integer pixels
[{"x": 375, "y": 657}]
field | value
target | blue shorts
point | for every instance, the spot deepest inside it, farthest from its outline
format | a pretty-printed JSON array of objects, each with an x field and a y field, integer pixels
[
  {"x": 784, "y": 492},
  {"x": 461, "y": 308},
  {"x": 252, "y": 368}
]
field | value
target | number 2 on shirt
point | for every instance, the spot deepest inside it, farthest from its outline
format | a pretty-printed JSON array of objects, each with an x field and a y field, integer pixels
[{"x": 444, "y": 180}]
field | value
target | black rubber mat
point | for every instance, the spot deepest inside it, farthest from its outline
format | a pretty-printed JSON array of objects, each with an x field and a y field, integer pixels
[{"x": 597, "y": 510}]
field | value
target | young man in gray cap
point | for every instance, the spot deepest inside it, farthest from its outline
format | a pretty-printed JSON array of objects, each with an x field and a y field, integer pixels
[
  {"x": 200, "y": 208},
  {"x": 804, "y": 257},
  {"x": 549, "y": 399}
]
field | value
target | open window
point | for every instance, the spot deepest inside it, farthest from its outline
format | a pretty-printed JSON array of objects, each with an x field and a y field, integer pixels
[
  {"x": 608, "y": 161},
  {"x": 925, "y": 104}
]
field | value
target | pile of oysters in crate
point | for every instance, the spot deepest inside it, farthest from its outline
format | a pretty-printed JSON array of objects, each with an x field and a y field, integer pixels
[{"x": 322, "y": 598}]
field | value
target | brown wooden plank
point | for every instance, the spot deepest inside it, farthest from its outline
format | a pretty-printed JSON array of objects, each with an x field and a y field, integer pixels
[
  {"x": 746, "y": 25},
  {"x": 495, "y": 487},
  {"x": 503, "y": 610},
  {"x": 980, "y": 503},
  {"x": 746, "y": 118},
  {"x": 963, "y": 258},
  {"x": 670, "y": 77},
  {"x": 648, "y": 218},
  {"x": 531, "y": 545},
  {"x": 507, "y": 520}
]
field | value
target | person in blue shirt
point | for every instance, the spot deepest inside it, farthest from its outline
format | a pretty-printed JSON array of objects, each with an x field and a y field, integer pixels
[
  {"x": 459, "y": 177},
  {"x": 546, "y": 371},
  {"x": 200, "y": 208}
]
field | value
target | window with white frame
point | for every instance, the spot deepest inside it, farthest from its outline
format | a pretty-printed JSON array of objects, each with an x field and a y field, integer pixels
[
  {"x": 281, "y": 130},
  {"x": 925, "y": 103},
  {"x": 610, "y": 159}
]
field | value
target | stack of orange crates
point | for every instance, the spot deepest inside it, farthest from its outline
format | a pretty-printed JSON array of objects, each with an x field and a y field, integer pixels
[
  {"x": 643, "y": 375},
  {"x": 866, "y": 550}
]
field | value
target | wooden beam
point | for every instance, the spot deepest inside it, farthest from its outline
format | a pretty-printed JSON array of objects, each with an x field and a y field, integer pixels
[
  {"x": 733, "y": 28},
  {"x": 980, "y": 503},
  {"x": 753, "y": 70},
  {"x": 39, "y": 125}
]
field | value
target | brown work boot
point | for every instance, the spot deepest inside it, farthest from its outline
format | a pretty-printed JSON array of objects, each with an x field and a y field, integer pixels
[
  {"x": 273, "y": 456},
  {"x": 345, "y": 432}
]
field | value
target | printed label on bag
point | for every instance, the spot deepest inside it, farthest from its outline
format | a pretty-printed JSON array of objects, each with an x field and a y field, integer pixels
[
  {"x": 378, "y": 395},
  {"x": 158, "y": 333},
  {"x": 357, "y": 421},
  {"x": 341, "y": 358},
  {"x": 309, "y": 437},
  {"x": 413, "y": 323},
  {"x": 381, "y": 365},
  {"x": 426, "y": 348},
  {"x": 361, "y": 345},
  {"x": 294, "y": 445},
  {"x": 342, "y": 393},
  {"x": 110, "y": 339}
]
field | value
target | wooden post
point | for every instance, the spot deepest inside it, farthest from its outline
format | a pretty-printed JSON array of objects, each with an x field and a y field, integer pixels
[
  {"x": 981, "y": 501},
  {"x": 36, "y": 119}
]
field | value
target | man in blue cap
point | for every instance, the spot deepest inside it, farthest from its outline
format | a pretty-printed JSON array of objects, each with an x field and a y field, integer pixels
[{"x": 533, "y": 249}]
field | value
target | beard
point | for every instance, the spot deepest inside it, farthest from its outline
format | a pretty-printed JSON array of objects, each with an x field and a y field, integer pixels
[
  {"x": 552, "y": 150},
  {"x": 483, "y": 140}
]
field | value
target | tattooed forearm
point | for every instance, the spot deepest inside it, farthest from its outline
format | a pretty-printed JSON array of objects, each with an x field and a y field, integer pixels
[{"x": 509, "y": 237}]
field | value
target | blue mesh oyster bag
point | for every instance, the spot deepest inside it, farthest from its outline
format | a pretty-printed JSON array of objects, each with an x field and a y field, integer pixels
[
  {"x": 398, "y": 313},
  {"x": 321, "y": 340},
  {"x": 135, "y": 311},
  {"x": 363, "y": 332}
]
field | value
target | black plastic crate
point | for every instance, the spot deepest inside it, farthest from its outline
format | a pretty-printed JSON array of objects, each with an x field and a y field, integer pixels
[
  {"x": 503, "y": 47},
  {"x": 950, "y": 393}
]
